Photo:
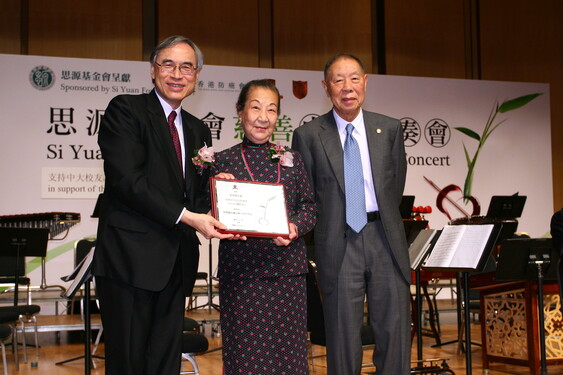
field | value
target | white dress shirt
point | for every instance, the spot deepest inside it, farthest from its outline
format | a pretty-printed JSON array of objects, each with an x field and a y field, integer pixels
[
  {"x": 359, "y": 134},
  {"x": 178, "y": 123}
]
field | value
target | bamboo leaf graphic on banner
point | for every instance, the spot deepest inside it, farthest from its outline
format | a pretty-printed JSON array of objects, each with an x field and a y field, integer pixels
[
  {"x": 510, "y": 105},
  {"x": 490, "y": 126},
  {"x": 470, "y": 133}
]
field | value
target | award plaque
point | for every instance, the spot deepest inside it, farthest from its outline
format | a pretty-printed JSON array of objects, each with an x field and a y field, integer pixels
[{"x": 248, "y": 208}]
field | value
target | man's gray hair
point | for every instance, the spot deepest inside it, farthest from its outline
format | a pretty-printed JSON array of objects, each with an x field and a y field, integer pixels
[{"x": 171, "y": 42}]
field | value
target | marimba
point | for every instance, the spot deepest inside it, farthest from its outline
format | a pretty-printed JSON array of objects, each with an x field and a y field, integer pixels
[{"x": 57, "y": 222}]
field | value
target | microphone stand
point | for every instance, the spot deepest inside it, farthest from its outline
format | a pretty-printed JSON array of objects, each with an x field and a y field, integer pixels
[{"x": 541, "y": 263}]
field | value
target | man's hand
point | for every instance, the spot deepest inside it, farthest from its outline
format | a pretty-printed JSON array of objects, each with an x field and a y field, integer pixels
[
  {"x": 207, "y": 225},
  {"x": 225, "y": 176},
  {"x": 229, "y": 176}
]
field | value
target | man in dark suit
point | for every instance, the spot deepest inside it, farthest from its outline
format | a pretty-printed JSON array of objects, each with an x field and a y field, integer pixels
[
  {"x": 369, "y": 258},
  {"x": 147, "y": 250}
]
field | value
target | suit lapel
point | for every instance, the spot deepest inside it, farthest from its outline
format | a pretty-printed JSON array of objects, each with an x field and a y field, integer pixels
[
  {"x": 159, "y": 125},
  {"x": 374, "y": 139},
  {"x": 189, "y": 145},
  {"x": 332, "y": 145}
]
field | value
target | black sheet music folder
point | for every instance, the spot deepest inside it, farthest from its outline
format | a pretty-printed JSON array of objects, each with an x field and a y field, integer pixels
[
  {"x": 506, "y": 206},
  {"x": 26, "y": 242},
  {"x": 413, "y": 228}
]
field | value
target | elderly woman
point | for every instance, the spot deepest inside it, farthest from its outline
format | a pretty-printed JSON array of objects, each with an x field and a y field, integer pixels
[{"x": 263, "y": 280}]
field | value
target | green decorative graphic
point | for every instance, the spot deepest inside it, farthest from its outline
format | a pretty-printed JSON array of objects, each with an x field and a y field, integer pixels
[
  {"x": 490, "y": 126},
  {"x": 51, "y": 254}
]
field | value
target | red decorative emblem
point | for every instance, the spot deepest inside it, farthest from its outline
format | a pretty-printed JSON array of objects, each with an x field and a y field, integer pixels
[
  {"x": 443, "y": 196},
  {"x": 300, "y": 89}
]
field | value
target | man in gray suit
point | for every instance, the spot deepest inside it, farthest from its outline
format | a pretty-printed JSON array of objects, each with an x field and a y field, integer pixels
[{"x": 361, "y": 253}]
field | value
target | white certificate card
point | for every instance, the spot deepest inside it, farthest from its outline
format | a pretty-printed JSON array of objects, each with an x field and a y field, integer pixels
[{"x": 254, "y": 209}]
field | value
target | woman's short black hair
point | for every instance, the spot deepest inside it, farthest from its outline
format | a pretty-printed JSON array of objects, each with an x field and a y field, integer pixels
[{"x": 243, "y": 95}]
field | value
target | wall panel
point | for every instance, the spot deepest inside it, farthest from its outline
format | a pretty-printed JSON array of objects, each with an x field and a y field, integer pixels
[
  {"x": 520, "y": 42},
  {"x": 106, "y": 29},
  {"x": 514, "y": 40},
  {"x": 226, "y": 31},
  {"x": 307, "y": 33},
  {"x": 10, "y": 23},
  {"x": 425, "y": 38}
]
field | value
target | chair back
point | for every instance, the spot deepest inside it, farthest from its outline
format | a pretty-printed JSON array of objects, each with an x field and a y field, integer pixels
[
  {"x": 8, "y": 272},
  {"x": 8, "y": 266}
]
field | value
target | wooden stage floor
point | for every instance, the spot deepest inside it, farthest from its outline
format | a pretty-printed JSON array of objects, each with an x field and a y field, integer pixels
[{"x": 59, "y": 346}]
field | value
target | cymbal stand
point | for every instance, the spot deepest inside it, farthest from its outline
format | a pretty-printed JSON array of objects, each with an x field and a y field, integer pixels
[{"x": 52, "y": 235}]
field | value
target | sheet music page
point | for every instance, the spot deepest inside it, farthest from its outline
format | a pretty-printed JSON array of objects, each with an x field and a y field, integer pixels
[
  {"x": 471, "y": 246},
  {"x": 445, "y": 247}
]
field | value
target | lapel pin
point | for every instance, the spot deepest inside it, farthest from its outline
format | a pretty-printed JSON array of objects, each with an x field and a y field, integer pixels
[{"x": 378, "y": 131}]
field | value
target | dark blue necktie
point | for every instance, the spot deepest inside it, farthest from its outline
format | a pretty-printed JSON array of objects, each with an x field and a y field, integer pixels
[{"x": 356, "y": 215}]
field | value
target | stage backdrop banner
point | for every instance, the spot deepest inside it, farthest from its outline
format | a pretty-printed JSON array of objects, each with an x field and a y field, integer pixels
[{"x": 52, "y": 107}]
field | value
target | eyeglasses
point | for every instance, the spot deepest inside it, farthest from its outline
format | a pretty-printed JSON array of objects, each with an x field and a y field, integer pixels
[{"x": 169, "y": 67}]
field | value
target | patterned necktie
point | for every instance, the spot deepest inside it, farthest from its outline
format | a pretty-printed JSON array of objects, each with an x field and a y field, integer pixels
[
  {"x": 356, "y": 215},
  {"x": 175, "y": 137}
]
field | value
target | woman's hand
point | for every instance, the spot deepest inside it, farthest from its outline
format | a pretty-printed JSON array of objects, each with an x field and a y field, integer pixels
[{"x": 280, "y": 241}]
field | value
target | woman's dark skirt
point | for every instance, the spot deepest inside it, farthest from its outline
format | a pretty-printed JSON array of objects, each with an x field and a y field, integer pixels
[{"x": 264, "y": 325}]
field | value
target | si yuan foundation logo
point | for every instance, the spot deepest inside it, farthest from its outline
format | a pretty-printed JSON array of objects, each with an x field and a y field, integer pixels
[{"x": 42, "y": 77}]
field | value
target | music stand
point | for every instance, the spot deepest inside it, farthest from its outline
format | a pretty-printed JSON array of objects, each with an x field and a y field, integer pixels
[
  {"x": 405, "y": 208},
  {"x": 463, "y": 277},
  {"x": 22, "y": 242},
  {"x": 514, "y": 257},
  {"x": 418, "y": 250},
  {"x": 505, "y": 209},
  {"x": 82, "y": 275},
  {"x": 530, "y": 259},
  {"x": 210, "y": 303},
  {"x": 506, "y": 206}
]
